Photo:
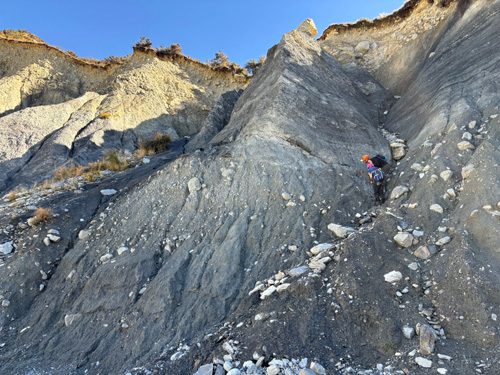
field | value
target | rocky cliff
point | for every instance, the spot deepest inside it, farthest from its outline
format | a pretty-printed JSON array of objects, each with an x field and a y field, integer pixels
[{"x": 255, "y": 247}]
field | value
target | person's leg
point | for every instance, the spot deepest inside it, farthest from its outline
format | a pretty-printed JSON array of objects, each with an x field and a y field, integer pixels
[
  {"x": 377, "y": 190},
  {"x": 384, "y": 190}
]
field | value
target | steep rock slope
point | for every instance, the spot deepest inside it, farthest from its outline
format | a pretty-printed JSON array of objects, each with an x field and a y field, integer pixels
[
  {"x": 124, "y": 103},
  {"x": 201, "y": 231}
]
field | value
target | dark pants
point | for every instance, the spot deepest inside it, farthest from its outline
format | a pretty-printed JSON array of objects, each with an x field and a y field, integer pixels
[{"x": 378, "y": 190}]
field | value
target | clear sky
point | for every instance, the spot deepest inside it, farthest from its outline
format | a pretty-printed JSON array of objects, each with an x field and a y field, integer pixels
[{"x": 242, "y": 29}]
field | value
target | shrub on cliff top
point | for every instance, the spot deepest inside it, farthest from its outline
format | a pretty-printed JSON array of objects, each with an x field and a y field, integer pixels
[{"x": 174, "y": 49}]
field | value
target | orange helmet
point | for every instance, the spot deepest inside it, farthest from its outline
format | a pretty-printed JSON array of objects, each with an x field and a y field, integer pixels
[{"x": 365, "y": 158}]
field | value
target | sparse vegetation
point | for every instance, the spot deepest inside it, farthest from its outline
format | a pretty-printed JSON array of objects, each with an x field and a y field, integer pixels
[
  {"x": 219, "y": 61},
  {"x": 105, "y": 115},
  {"x": 20, "y": 35},
  {"x": 115, "y": 161},
  {"x": 13, "y": 195},
  {"x": 174, "y": 49},
  {"x": 143, "y": 44},
  {"x": 42, "y": 214},
  {"x": 160, "y": 143},
  {"x": 253, "y": 66}
]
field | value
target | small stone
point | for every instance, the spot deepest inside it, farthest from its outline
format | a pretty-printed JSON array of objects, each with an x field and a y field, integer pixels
[
  {"x": 444, "y": 357},
  {"x": 413, "y": 266},
  {"x": 494, "y": 317},
  {"x": 340, "y": 231},
  {"x": 428, "y": 339},
  {"x": 53, "y": 238},
  {"x": 442, "y": 371},
  {"x": 121, "y": 250},
  {"x": 404, "y": 239},
  {"x": 291, "y": 204},
  {"x": 282, "y": 287},
  {"x": 273, "y": 370},
  {"x": 266, "y": 293},
  {"x": 174, "y": 357},
  {"x": 286, "y": 196},
  {"x": 53, "y": 231},
  {"x": 194, "y": 185},
  {"x": 83, "y": 234},
  {"x": 69, "y": 319},
  {"x": 408, "y": 332},
  {"x": 262, "y": 316},
  {"x": 393, "y": 276},
  {"x": 5, "y": 303},
  {"x": 317, "y": 368},
  {"x": 465, "y": 145},
  {"x": 422, "y": 253},
  {"x": 443, "y": 241},
  {"x": 472, "y": 124},
  {"x": 146, "y": 160},
  {"x": 467, "y": 136},
  {"x": 446, "y": 175},
  {"x": 487, "y": 207},
  {"x": 298, "y": 271},
  {"x": 46, "y": 241},
  {"x": 417, "y": 233},
  {"x": 106, "y": 192},
  {"x": 142, "y": 291},
  {"x": 302, "y": 198},
  {"x": 234, "y": 371},
  {"x": 398, "y": 191},
  {"x": 363, "y": 47},
  {"x": 106, "y": 257},
  {"x": 321, "y": 248},
  {"x": 451, "y": 193},
  {"x": 467, "y": 171},
  {"x": 6, "y": 248},
  {"x": 306, "y": 371},
  {"x": 423, "y": 362},
  {"x": 436, "y": 208}
]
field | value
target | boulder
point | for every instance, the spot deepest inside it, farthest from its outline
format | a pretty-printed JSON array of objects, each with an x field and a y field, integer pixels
[
  {"x": 404, "y": 239},
  {"x": 467, "y": 171},
  {"x": 393, "y": 276},
  {"x": 398, "y": 192},
  {"x": 362, "y": 47},
  {"x": 6, "y": 248},
  {"x": 428, "y": 338},
  {"x": 340, "y": 231}
]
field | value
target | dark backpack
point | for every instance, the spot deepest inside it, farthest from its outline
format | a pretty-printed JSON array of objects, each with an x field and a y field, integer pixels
[{"x": 379, "y": 160}]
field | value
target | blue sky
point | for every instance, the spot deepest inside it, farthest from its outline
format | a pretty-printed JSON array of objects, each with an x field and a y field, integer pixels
[{"x": 242, "y": 29}]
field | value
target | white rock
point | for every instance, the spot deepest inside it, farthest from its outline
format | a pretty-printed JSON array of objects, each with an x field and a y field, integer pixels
[
  {"x": 317, "y": 368},
  {"x": 69, "y": 319},
  {"x": 404, "y": 239},
  {"x": 417, "y": 233},
  {"x": 53, "y": 231},
  {"x": 422, "y": 253},
  {"x": 282, "y": 287},
  {"x": 291, "y": 204},
  {"x": 398, "y": 151},
  {"x": 234, "y": 371},
  {"x": 273, "y": 370},
  {"x": 398, "y": 191},
  {"x": 83, "y": 234},
  {"x": 465, "y": 145},
  {"x": 106, "y": 257},
  {"x": 467, "y": 171},
  {"x": 286, "y": 196},
  {"x": 451, "y": 193},
  {"x": 227, "y": 365},
  {"x": 494, "y": 317},
  {"x": 423, "y": 362},
  {"x": 444, "y": 357},
  {"x": 446, "y": 175},
  {"x": 146, "y": 160},
  {"x": 340, "y": 231},
  {"x": 46, "y": 241},
  {"x": 363, "y": 47},
  {"x": 266, "y": 293},
  {"x": 174, "y": 357},
  {"x": 472, "y": 124},
  {"x": 416, "y": 167},
  {"x": 443, "y": 241},
  {"x": 53, "y": 238},
  {"x": 467, "y": 136},
  {"x": 436, "y": 208},
  {"x": 6, "y": 248},
  {"x": 143, "y": 290},
  {"x": 393, "y": 276},
  {"x": 321, "y": 248},
  {"x": 408, "y": 332},
  {"x": 121, "y": 250},
  {"x": 413, "y": 266},
  {"x": 194, "y": 184},
  {"x": 108, "y": 191},
  {"x": 258, "y": 287},
  {"x": 442, "y": 371},
  {"x": 5, "y": 303}
]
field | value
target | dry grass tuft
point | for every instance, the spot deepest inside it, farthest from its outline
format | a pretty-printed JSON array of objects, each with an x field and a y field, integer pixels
[
  {"x": 160, "y": 143},
  {"x": 114, "y": 161},
  {"x": 42, "y": 214},
  {"x": 105, "y": 115},
  {"x": 13, "y": 195}
]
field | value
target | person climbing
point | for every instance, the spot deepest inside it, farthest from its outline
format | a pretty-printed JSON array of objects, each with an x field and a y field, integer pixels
[
  {"x": 377, "y": 178},
  {"x": 379, "y": 161}
]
